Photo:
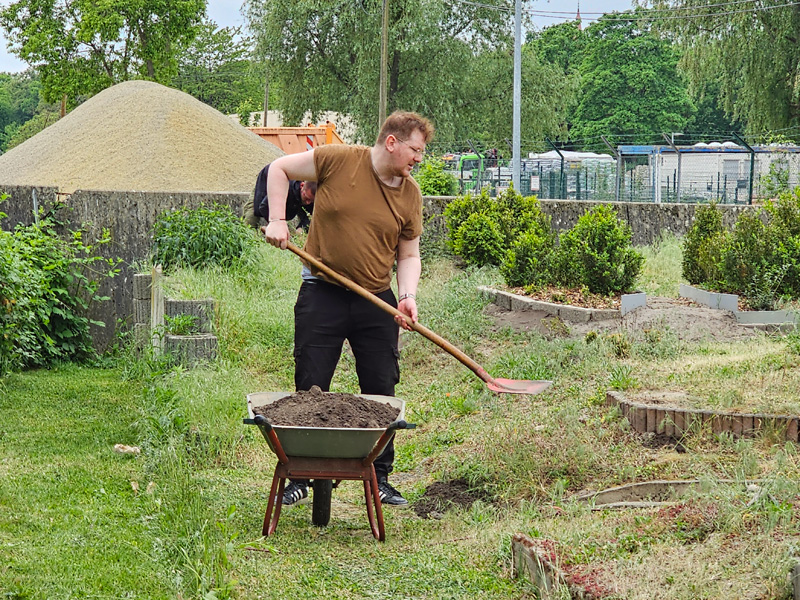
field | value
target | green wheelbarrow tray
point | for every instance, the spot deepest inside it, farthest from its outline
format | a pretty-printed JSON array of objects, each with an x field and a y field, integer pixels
[
  {"x": 323, "y": 442},
  {"x": 325, "y": 455}
]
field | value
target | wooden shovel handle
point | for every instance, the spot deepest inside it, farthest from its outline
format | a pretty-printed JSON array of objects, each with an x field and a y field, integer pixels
[{"x": 364, "y": 293}]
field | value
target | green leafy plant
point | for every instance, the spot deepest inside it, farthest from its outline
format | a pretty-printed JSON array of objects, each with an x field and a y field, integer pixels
[
  {"x": 597, "y": 252},
  {"x": 433, "y": 180},
  {"x": 776, "y": 181},
  {"x": 527, "y": 263},
  {"x": 621, "y": 378},
  {"x": 706, "y": 225},
  {"x": 47, "y": 284},
  {"x": 483, "y": 229},
  {"x": 479, "y": 241},
  {"x": 200, "y": 237},
  {"x": 750, "y": 253},
  {"x": 181, "y": 325}
]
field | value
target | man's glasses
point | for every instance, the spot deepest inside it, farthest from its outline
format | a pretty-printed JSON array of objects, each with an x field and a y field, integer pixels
[{"x": 417, "y": 152}]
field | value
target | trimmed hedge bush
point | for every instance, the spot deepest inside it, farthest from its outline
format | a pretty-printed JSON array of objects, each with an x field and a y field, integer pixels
[
  {"x": 759, "y": 259},
  {"x": 513, "y": 233}
]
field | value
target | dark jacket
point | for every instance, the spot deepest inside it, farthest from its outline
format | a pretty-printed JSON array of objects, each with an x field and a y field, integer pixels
[{"x": 294, "y": 203}]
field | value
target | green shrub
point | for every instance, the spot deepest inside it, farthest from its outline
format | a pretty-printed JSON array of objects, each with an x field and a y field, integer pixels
[
  {"x": 785, "y": 217},
  {"x": 707, "y": 224},
  {"x": 483, "y": 229},
  {"x": 598, "y": 252},
  {"x": 47, "y": 284},
  {"x": 458, "y": 211},
  {"x": 751, "y": 253},
  {"x": 200, "y": 237},
  {"x": 479, "y": 241},
  {"x": 710, "y": 259},
  {"x": 528, "y": 260},
  {"x": 433, "y": 180}
]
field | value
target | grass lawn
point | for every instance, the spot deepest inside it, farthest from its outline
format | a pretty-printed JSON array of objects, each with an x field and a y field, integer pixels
[{"x": 73, "y": 526}]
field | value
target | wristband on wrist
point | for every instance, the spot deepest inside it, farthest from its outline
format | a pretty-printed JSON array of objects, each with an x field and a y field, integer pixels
[
  {"x": 273, "y": 220},
  {"x": 404, "y": 296}
]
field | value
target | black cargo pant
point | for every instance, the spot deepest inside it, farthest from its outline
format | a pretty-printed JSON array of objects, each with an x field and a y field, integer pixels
[{"x": 324, "y": 316}]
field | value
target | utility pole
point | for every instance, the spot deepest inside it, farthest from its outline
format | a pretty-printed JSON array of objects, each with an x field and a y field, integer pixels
[
  {"x": 515, "y": 159},
  {"x": 384, "y": 59},
  {"x": 266, "y": 102}
]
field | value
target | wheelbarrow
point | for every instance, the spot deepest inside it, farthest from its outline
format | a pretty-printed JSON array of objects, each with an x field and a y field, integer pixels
[{"x": 324, "y": 455}]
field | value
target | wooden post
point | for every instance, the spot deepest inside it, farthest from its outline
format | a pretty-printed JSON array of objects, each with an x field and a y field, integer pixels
[{"x": 157, "y": 310}]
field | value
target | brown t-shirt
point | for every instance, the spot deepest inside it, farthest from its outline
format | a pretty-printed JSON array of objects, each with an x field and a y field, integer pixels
[{"x": 358, "y": 219}]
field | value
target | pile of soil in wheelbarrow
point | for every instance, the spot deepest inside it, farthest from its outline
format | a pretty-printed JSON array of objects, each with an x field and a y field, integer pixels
[{"x": 316, "y": 408}]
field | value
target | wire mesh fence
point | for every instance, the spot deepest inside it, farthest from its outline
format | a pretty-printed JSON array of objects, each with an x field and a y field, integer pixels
[{"x": 724, "y": 173}]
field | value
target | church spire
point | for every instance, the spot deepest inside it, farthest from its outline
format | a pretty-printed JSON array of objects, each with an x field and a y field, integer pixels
[{"x": 578, "y": 17}]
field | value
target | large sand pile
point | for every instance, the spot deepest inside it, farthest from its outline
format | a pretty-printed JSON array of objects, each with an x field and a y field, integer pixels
[{"x": 140, "y": 136}]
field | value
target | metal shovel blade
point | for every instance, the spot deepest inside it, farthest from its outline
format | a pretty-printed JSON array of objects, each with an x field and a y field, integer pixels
[{"x": 517, "y": 386}]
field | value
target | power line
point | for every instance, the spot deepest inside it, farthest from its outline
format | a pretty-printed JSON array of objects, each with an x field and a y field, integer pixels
[{"x": 647, "y": 14}]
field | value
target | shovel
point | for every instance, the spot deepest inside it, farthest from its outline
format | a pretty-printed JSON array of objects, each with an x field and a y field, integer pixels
[{"x": 507, "y": 386}]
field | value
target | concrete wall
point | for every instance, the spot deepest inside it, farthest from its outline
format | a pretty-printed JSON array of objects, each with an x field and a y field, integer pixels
[
  {"x": 647, "y": 220},
  {"x": 130, "y": 217}
]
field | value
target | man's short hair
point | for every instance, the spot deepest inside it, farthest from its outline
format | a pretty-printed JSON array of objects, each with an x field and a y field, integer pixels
[
  {"x": 402, "y": 124},
  {"x": 311, "y": 185}
]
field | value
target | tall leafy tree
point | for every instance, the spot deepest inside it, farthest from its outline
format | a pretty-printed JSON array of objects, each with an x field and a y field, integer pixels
[
  {"x": 752, "y": 49},
  {"x": 20, "y": 101},
  {"x": 216, "y": 68},
  {"x": 630, "y": 86},
  {"x": 443, "y": 57},
  {"x": 485, "y": 101},
  {"x": 80, "y": 47},
  {"x": 561, "y": 45}
]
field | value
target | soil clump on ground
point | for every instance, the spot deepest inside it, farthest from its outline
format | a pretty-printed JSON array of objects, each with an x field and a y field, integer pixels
[
  {"x": 688, "y": 321},
  {"x": 315, "y": 408},
  {"x": 441, "y": 496}
]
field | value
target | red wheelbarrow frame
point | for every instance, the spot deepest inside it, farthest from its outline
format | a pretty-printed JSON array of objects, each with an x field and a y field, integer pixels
[{"x": 337, "y": 469}]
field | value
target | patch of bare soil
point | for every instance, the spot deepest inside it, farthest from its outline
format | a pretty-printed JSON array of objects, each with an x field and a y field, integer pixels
[
  {"x": 315, "y": 408},
  {"x": 573, "y": 297},
  {"x": 441, "y": 496},
  {"x": 688, "y": 321}
]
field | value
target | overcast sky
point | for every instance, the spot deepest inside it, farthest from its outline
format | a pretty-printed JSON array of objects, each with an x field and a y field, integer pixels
[{"x": 228, "y": 13}]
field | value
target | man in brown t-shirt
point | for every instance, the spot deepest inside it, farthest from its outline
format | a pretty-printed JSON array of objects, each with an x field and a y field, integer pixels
[{"x": 367, "y": 216}]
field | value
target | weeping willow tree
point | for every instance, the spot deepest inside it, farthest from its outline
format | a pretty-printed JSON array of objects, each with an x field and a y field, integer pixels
[
  {"x": 448, "y": 60},
  {"x": 750, "y": 49}
]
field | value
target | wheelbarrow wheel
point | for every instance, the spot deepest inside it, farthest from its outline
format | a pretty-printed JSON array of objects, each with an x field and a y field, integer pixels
[{"x": 321, "y": 502}]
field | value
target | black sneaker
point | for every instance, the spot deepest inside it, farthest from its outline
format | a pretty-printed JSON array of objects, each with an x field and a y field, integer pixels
[
  {"x": 295, "y": 493},
  {"x": 389, "y": 495}
]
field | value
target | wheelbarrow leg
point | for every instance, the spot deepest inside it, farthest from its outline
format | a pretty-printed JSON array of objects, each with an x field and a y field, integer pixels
[
  {"x": 372, "y": 498},
  {"x": 275, "y": 502}
]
